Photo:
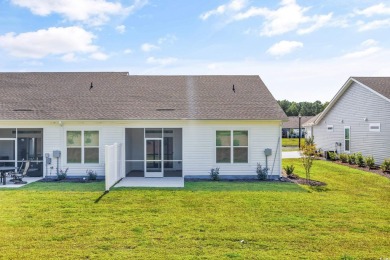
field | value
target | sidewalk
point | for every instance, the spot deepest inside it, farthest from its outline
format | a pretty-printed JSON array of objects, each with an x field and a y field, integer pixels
[{"x": 287, "y": 155}]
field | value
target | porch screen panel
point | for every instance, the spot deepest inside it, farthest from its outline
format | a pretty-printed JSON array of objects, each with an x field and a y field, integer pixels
[
  {"x": 135, "y": 152},
  {"x": 173, "y": 152}
]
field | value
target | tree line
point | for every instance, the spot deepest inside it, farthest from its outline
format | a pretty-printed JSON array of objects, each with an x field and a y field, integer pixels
[{"x": 292, "y": 108}]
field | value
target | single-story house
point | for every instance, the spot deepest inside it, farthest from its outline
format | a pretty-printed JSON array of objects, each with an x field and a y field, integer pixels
[
  {"x": 178, "y": 126},
  {"x": 356, "y": 120},
  {"x": 290, "y": 129}
]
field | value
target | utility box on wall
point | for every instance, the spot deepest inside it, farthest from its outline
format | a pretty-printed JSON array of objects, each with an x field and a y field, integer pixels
[
  {"x": 56, "y": 154},
  {"x": 268, "y": 152}
]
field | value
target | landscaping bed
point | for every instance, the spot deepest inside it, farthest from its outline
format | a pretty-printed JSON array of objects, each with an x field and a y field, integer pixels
[
  {"x": 71, "y": 180},
  {"x": 366, "y": 169}
]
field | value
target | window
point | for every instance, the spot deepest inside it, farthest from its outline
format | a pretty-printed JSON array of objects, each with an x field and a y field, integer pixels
[
  {"x": 330, "y": 128},
  {"x": 232, "y": 146},
  {"x": 375, "y": 127},
  {"x": 347, "y": 138},
  {"x": 82, "y": 146}
]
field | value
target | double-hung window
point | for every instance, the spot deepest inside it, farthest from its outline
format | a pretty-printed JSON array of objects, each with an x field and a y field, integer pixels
[
  {"x": 232, "y": 146},
  {"x": 82, "y": 146}
]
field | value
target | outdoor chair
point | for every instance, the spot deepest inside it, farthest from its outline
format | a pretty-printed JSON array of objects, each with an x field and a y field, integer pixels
[{"x": 17, "y": 177}]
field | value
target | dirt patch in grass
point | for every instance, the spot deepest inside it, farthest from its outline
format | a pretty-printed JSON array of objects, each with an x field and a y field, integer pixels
[
  {"x": 298, "y": 180},
  {"x": 366, "y": 169}
]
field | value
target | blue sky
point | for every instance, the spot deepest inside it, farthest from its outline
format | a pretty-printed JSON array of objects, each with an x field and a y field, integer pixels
[{"x": 304, "y": 50}]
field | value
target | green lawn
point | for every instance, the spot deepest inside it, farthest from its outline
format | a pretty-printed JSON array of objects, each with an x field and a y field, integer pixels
[
  {"x": 292, "y": 141},
  {"x": 205, "y": 220}
]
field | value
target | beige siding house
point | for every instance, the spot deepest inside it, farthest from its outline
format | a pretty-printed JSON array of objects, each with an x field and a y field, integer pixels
[
  {"x": 169, "y": 126},
  {"x": 356, "y": 120}
]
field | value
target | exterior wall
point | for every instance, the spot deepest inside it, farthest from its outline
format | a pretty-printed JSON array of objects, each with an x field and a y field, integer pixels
[
  {"x": 353, "y": 107},
  {"x": 199, "y": 143}
]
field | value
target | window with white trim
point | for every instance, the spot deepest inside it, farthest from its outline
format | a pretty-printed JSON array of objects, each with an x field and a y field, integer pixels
[
  {"x": 329, "y": 128},
  {"x": 82, "y": 146},
  {"x": 347, "y": 138},
  {"x": 375, "y": 127},
  {"x": 232, "y": 146}
]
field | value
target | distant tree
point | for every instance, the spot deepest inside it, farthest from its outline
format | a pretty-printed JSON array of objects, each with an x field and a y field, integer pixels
[
  {"x": 303, "y": 108},
  {"x": 293, "y": 110}
]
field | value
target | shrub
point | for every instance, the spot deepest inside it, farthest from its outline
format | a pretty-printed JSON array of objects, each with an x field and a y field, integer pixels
[
  {"x": 386, "y": 165},
  {"x": 332, "y": 156},
  {"x": 92, "y": 175},
  {"x": 344, "y": 157},
  {"x": 359, "y": 159},
  {"x": 61, "y": 175},
  {"x": 289, "y": 169},
  {"x": 214, "y": 174},
  {"x": 262, "y": 173},
  {"x": 370, "y": 162},
  {"x": 308, "y": 154},
  {"x": 351, "y": 158}
]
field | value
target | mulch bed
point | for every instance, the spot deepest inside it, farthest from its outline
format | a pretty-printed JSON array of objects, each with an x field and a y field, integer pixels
[
  {"x": 298, "y": 180},
  {"x": 366, "y": 169},
  {"x": 72, "y": 180}
]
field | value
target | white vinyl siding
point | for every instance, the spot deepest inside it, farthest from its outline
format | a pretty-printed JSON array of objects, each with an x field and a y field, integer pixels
[{"x": 358, "y": 108}]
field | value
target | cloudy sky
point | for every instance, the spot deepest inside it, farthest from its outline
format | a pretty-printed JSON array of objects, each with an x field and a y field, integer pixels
[{"x": 304, "y": 50}]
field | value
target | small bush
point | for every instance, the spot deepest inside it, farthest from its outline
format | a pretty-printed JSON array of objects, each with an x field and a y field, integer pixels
[
  {"x": 359, "y": 159},
  {"x": 370, "y": 162},
  {"x": 92, "y": 175},
  {"x": 344, "y": 157},
  {"x": 61, "y": 175},
  {"x": 289, "y": 169},
  {"x": 262, "y": 173},
  {"x": 214, "y": 174},
  {"x": 386, "y": 165},
  {"x": 333, "y": 156},
  {"x": 351, "y": 158}
]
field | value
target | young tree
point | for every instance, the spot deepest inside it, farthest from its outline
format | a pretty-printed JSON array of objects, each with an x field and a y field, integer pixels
[{"x": 308, "y": 153}]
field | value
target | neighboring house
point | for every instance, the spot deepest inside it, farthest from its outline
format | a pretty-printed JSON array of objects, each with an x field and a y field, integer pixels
[
  {"x": 290, "y": 129},
  {"x": 356, "y": 120},
  {"x": 167, "y": 125}
]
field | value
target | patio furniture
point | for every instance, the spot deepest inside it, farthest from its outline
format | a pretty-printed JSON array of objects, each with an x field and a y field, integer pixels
[
  {"x": 3, "y": 173},
  {"x": 17, "y": 177}
]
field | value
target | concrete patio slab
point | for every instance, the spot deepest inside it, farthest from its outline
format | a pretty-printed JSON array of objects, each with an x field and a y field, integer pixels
[
  {"x": 10, "y": 184},
  {"x": 168, "y": 182}
]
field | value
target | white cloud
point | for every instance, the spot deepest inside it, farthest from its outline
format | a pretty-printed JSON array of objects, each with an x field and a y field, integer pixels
[
  {"x": 232, "y": 6},
  {"x": 99, "y": 56},
  {"x": 91, "y": 12},
  {"x": 369, "y": 42},
  {"x": 319, "y": 21},
  {"x": 169, "y": 38},
  {"x": 379, "y": 9},
  {"x": 284, "y": 47},
  {"x": 53, "y": 41},
  {"x": 120, "y": 29},
  {"x": 161, "y": 61},
  {"x": 69, "y": 57},
  {"x": 128, "y": 51},
  {"x": 367, "y": 48},
  {"x": 289, "y": 16},
  {"x": 376, "y": 24},
  {"x": 148, "y": 47}
]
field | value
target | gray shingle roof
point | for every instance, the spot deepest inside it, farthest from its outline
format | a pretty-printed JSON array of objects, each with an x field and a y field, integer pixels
[
  {"x": 118, "y": 96},
  {"x": 378, "y": 84},
  {"x": 293, "y": 121}
]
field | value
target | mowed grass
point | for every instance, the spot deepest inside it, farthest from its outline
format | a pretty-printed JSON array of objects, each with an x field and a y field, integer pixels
[
  {"x": 292, "y": 141},
  {"x": 205, "y": 220}
]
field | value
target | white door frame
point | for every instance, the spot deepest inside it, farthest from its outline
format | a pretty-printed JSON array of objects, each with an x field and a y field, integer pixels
[{"x": 154, "y": 174}]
